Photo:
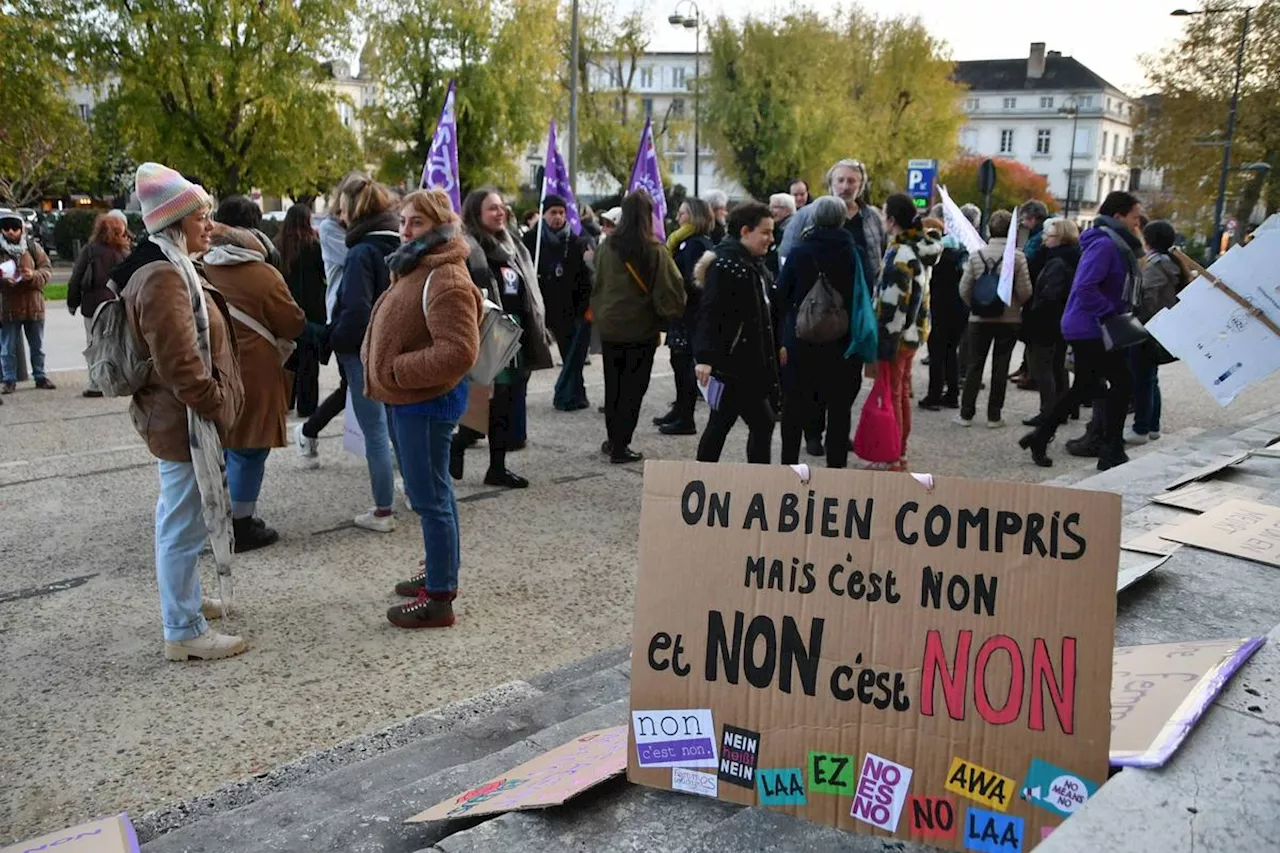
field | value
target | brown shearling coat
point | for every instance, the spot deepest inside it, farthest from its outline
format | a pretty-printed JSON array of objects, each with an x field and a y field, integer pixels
[{"x": 24, "y": 299}]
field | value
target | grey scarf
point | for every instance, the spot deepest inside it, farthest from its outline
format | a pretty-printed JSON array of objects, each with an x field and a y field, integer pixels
[
  {"x": 14, "y": 250},
  {"x": 405, "y": 259}
]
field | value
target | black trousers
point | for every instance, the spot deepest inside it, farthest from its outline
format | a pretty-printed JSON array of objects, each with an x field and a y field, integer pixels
[
  {"x": 1047, "y": 365},
  {"x": 306, "y": 380},
  {"x": 820, "y": 418},
  {"x": 984, "y": 337},
  {"x": 1098, "y": 373},
  {"x": 682, "y": 368},
  {"x": 944, "y": 361},
  {"x": 627, "y": 367},
  {"x": 835, "y": 394},
  {"x": 754, "y": 408},
  {"x": 329, "y": 408}
]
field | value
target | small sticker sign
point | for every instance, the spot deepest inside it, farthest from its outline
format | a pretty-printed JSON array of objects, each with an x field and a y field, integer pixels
[
  {"x": 830, "y": 773},
  {"x": 784, "y": 787},
  {"x": 933, "y": 817},
  {"x": 882, "y": 790},
  {"x": 978, "y": 783},
  {"x": 693, "y": 782},
  {"x": 990, "y": 832},
  {"x": 1055, "y": 789},
  {"x": 739, "y": 752},
  {"x": 675, "y": 738}
]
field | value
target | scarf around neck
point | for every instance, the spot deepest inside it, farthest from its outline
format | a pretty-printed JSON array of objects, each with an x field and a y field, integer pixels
[
  {"x": 14, "y": 250},
  {"x": 408, "y": 256}
]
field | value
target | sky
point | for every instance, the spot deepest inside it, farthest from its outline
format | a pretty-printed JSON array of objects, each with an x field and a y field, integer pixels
[{"x": 1108, "y": 37}]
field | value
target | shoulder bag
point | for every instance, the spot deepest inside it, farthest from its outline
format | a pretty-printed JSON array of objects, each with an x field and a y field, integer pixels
[
  {"x": 284, "y": 348},
  {"x": 499, "y": 339}
]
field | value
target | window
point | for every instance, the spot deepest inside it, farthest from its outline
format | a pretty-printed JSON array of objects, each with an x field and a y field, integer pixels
[
  {"x": 1115, "y": 146},
  {"x": 647, "y": 105},
  {"x": 677, "y": 166},
  {"x": 1046, "y": 103},
  {"x": 677, "y": 107},
  {"x": 1084, "y": 142},
  {"x": 85, "y": 111},
  {"x": 677, "y": 77},
  {"x": 346, "y": 113},
  {"x": 971, "y": 104},
  {"x": 646, "y": 78},
  {"x": 1086, "y": 101},
  {"x": 1077, "y": 189},
  {"x": 1108, "y": 105},
  {"x": 1104, "y": 144},
  {"x": 1127, "y": 140},
  {"x": 1099, "y": 196},
  {"x": 969, "y": 138},
  {"x": 1010, "y": 103},
  {"x": 1006, "y": 142},
  {"x": 1042, "y": 141},
  {"x": 1135, "y": 180},
  {"x": 1111, "y": 185}
]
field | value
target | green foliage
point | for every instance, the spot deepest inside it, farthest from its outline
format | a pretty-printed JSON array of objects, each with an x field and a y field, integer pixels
[
  {"x": 1015, "y": 183},
  {"x": 501, "y": 54},
  {"x": 73, "y": 230},
  {"x": 786, "y": 97},
  {"x": 230, "y": 91}
]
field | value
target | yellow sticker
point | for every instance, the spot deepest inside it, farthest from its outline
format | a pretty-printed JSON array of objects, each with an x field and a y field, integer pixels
[{"x": 978, "y": 783}]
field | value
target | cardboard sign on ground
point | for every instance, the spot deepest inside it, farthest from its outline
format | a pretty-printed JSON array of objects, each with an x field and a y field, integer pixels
[
  {"x": 1132, "y": 574},
  {"x": 109, "y": 835},
  {"x": 1208, "y": 470},
  {"x": 1206, "y": 495},
  {"x": 547, "y": 780},
  {"x": 1154, "y": 542},
  {"x": 1159, "y": 693},
  {"x": 1240, "y": 528},
  {"x": 857, "y": 649}
]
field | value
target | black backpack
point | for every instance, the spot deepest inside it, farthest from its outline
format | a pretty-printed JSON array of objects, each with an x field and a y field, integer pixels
[{"x": 986, "y": 302}]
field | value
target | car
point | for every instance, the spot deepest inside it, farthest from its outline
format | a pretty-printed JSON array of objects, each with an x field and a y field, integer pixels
[{"x": 274, "y": 215}]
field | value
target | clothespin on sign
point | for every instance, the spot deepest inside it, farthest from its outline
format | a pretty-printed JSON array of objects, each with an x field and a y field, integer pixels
[{"x": 1253, "y": 310}]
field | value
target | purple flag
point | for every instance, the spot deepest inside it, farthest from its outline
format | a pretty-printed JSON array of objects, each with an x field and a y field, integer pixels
[
  {"x": 556, "y": 181},
  {"x": 441, "y": 169},
  {"x": 646, "y": 176}
]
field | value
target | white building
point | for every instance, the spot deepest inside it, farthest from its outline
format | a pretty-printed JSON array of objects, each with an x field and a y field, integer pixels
[
  {"x": 1027, "y": 110},
  {"x": 662, "y": 84}
]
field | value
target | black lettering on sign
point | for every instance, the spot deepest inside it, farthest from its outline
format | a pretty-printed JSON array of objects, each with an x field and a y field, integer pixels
[
  {"x": 739, "y": 754},
  {"x": 777, "y": 657}
]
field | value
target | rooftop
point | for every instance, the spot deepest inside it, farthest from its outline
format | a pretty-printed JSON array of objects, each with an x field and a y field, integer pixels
[{"x": 1040, "y": 71}]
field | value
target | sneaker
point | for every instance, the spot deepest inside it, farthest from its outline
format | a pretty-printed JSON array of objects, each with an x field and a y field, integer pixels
[
  {"x": 962, "y": 421},
  {"x": 251, "y": 534},
  {"x": 505, "y": 479},
  {"x": 377, "y": 523},
  {"x": 423, "y": 612},
  {"x": 1153, "y": 436},
  {"x": 996, "y": 424},
  {"x": 208, "y": 646},
  {"x": 414, "y": 585},
  {"x": 308, "y": 448},
  {"x": 211, "y": 608},
  {"x": 1131, "y": 437},
  {"x": 45, "y": 385}
]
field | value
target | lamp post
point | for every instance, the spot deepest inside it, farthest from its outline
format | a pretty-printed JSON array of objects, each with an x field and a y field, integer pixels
[
  {"x": 693, "y": 22},
  {"x": 1071, "y": 108},
  {"x": 1219, "y": 208}
]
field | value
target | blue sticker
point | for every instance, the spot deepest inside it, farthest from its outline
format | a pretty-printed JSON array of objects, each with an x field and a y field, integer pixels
[
  {"x": 1056, "y": 790},
  {"x": 783, "y": 787},
  {"x": 992, "y": 832}
]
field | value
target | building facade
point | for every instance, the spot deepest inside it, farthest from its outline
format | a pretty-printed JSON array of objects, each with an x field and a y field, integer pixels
[{"x": 1053, "y": 114}]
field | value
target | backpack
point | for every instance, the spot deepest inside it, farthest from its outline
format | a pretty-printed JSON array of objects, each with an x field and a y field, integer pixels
[
  {"x": 821, "y": 317},
  {"x": 986, "y": 302},
  {"x": 117, "y": 366}
]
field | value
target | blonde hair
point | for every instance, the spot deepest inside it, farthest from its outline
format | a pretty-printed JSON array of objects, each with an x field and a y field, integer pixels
[
  {"x": 433, "y": 204},
  {"x": 335, "y": 201},
  {"x": 1065, "y": 230},
  {"x": 363, "y": 197}
]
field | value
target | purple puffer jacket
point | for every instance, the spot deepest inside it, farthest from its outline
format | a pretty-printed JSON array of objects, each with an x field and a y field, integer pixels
[{"x": 1097, "y": 292}]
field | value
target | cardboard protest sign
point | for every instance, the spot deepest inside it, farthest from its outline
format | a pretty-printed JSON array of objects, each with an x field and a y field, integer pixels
[
  {"x": 1239, "y": 528},
  {"x": 1154, "y": 542},
  {"x": 1159, "y": 692},
  {"x": 1206, "y": 495},
  {"x": 109, "y": 835},
  {"x": 476, "y": 416},
  {"x": 872, "y": 653},
  {"x": 1208, "y": 470},
  {"x": 1129, "y": 575},
  {"x": 547, "y": 780}
]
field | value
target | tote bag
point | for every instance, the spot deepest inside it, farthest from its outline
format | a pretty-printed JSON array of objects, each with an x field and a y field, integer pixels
[{"x": 878, "y": 438}]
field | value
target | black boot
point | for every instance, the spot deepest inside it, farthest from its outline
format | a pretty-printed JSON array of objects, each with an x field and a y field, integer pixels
[
  {"x": 680, "y": 426},
  {"x": 251, "y": 534},
  {"x": 670, "y": 417},
  {"x": 1112, "y": 455},
  {"x": 457, "y": 459},
  {"x": 1038, "y": 443},
  {"x": 1087, "y": 446}
]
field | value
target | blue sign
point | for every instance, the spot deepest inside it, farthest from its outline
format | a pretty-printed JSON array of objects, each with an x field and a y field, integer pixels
[
  {"x": 921, "y": 176},
  {"x": 1055, "y": 789},
  {"x": 992, "y": 832},
  {"x": 783, "y": 787}
]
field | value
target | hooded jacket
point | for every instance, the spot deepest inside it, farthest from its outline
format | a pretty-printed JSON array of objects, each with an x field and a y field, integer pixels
[
  {"x": 1097, "y": 292},
  {"x": 364, "y": 278},
  {"x": 734, "y": 334},
  {"x": 902, "y": 297}
]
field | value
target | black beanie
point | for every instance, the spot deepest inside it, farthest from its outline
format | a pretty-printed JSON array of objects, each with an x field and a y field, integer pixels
[{"x": 553, "y": 201}]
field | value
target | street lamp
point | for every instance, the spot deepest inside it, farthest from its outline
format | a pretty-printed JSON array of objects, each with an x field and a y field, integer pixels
[
  {"x": 692, "y": 22},
  {"x": 1219, "y": 208},
  {"x": 1071, "y": 108}
]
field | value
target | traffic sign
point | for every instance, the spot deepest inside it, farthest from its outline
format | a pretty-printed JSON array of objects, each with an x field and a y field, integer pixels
[{"x": 921, "y": 176}]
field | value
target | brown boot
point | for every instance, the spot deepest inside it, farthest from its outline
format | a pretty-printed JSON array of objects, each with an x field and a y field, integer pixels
[{"x": 428, "y": 610}]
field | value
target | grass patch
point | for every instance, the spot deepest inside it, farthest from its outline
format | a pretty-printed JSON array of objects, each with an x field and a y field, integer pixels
[{"x": 54, "y": 292}]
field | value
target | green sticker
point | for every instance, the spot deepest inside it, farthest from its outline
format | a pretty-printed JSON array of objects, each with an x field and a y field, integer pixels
[{"x": 831, "y": 773}]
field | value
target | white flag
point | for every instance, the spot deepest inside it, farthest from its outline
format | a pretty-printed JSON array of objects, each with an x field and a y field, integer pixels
[
  {"x": 1005, "y": 288},
  {"x": 958, "y": 225}
]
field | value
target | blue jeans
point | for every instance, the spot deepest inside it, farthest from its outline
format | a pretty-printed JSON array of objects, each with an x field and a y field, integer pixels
[
  {"x": 372, "y": 417},
  {"x": 571, "y": 389},
  {"x": 245, "y": 469},
  {"x": 424, "y": 447},
  {"x": 1146, "y": 393},
  {"x": 9, "y": 333},
  {"x": 180, "y": 536}
]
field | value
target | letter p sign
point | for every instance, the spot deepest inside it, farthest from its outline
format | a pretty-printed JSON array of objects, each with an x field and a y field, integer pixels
[{"x": 916, "y": 181}]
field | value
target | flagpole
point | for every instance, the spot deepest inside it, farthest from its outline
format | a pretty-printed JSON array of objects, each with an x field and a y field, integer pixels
[{"x": 542, "y": 196}]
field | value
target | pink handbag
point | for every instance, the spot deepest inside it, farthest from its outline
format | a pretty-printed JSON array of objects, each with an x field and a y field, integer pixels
[{"x": 878, "y": 438}]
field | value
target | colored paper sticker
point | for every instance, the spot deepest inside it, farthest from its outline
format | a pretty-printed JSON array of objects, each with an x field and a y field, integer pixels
[
  {"x": 978, "y": 783},
  {"x": 739, "y": 752},
  {"x": 1045, "y": 831},
  {"x": 1055, "y": 789},
  {"x": 783, "y": 787},
  {"x": 692, "y": 782},
  {"x": 932, "y": 817},
  {"x": 831, "y": 773},
  {"x": 675, "y": 738},
  {"x": 991, "y": 832},
  {"x": 881, "y": 793}
]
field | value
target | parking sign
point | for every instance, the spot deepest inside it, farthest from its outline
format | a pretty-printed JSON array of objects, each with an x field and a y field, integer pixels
[{"x": 921, "y": 176}]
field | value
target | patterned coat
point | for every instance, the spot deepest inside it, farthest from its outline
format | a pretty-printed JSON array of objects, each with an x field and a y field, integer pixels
[{"x": 902, "y": 296}]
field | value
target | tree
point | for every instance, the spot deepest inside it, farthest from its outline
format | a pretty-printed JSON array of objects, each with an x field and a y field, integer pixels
[
  {"x": 228, "y": 90},
  {"x": 1183, "y": 135},
  {"x": 1015, "y": 183},
  {"x": 43, "y": 140},
  {"x": 497, "y": 51},
  {"x": 786, "y": 97}
]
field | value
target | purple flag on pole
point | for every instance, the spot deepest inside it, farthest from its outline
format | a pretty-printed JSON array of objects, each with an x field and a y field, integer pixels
[
  {"x": 645, "y": 175},
  {"x": 441, "y": 169},
  {"x": 556, "y": 181}
]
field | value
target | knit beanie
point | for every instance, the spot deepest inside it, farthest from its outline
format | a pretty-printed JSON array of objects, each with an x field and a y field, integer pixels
[
  {"x": 553, "y": 200},
  {"x": 167, "y": 197}
]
